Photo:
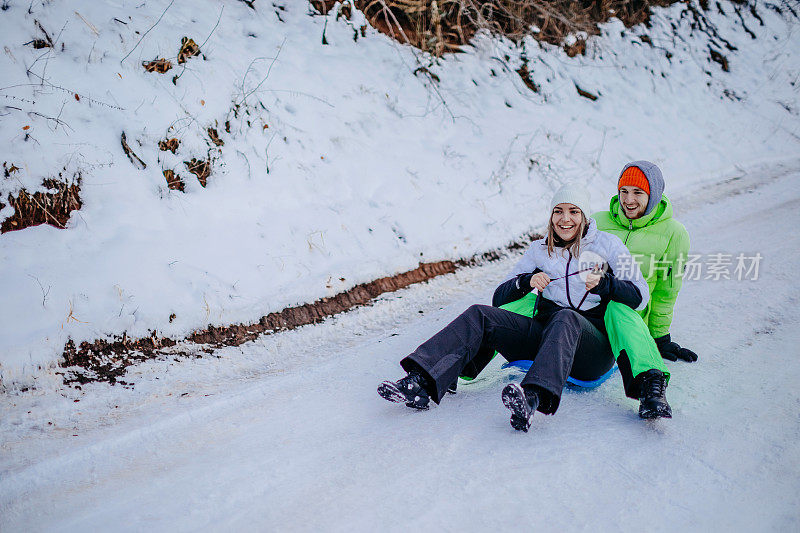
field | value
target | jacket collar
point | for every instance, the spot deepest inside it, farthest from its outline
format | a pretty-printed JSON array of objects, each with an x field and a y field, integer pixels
[{"x": 663, "y": 211}]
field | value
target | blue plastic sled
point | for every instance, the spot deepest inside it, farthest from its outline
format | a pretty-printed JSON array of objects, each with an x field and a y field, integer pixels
[{"x": 524, "y": 365}]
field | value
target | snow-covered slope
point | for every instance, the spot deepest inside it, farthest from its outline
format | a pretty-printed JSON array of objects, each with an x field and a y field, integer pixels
[
  {"x": 339, "y": 163},
  {"x": 288, "y": 434}
]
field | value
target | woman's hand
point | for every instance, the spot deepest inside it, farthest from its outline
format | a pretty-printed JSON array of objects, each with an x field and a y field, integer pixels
[
  {"x": 539, "y": 281},
  {"x": 593, "y": 278}
]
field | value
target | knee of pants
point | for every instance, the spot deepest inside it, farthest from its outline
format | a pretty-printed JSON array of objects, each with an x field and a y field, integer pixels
[
  {"x": 566, "y": 315},
  {"x": 477, "y": 309}
]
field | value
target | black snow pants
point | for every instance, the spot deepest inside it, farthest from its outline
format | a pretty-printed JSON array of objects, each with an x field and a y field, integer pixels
[{"x": 566, "y": 344}]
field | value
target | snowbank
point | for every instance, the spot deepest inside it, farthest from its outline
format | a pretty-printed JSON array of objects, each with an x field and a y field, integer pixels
[{"x": 339, "y": 163}]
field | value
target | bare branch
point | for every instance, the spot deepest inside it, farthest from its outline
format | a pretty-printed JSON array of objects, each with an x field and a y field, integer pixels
[
  {"x": 268, "y": 71},
  {"x": 176, "y": 78},
  {"x": 148, "y": 31}
]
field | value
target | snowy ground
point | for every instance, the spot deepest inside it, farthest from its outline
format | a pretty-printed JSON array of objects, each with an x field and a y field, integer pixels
[
  {"x": 287, "y": 433},
  {"x": 341, "y": 164}
]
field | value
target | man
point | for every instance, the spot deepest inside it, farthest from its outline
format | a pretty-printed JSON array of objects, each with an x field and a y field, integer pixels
[{"x": 641, "y": 216}]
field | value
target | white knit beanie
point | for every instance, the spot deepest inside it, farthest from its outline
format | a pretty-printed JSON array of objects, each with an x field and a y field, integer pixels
[{"x": 572, "y": 193}]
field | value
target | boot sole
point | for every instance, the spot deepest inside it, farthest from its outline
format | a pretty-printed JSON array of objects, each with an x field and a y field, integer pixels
[
  {"x": 389, "y": 391},
  {"x": 514, "y": 400},
  {"x": 655, "y": 413}
]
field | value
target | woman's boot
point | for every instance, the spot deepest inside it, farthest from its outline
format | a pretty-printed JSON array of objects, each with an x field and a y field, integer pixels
[
  {"x": 411, "y": 389},
  {"x": 522, "y": 403}
]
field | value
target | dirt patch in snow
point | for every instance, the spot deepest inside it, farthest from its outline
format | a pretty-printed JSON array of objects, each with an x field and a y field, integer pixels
[{"x": 108, "y": 359}]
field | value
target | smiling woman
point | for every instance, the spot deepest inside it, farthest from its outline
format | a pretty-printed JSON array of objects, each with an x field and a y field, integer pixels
[
  {"x": 567, "y": 220},
  {"x": 568, "y": 223}
]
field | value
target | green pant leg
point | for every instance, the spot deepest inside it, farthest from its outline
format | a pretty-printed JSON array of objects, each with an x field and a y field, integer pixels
[
  {"x": 627, "y": 331},
  {"x": 524, "y": 306}
]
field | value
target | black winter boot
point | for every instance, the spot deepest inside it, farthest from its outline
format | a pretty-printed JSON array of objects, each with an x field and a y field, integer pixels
[
  {"x": 653, "y": 395},
  {"x": 522, "y": 404},
  {"x": 410, "y": 389}
]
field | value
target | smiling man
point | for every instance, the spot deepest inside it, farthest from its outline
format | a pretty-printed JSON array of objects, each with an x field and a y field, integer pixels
[{"x": 641, "y": 216}]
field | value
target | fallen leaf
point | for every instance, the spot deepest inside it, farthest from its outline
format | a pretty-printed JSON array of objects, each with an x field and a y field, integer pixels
[
  {"x": 26, "y": 127},
  {"x": 78, "y": 98},
  {"x": 157, "y": 65},
  {"x": 202, "y": 102},
  {"x": 188, "y": 49}
]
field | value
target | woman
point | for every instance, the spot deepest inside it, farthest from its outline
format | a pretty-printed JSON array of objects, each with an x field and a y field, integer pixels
[{"x": 565, "y": 337}]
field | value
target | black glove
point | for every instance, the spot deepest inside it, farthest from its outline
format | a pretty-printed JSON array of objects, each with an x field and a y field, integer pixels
[{"x": 672, "y": 351}]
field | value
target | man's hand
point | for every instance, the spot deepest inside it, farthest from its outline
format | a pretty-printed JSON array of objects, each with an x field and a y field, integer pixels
[
  {"x": 672, "y": 351},
  {"x": 539, "y": 281}
]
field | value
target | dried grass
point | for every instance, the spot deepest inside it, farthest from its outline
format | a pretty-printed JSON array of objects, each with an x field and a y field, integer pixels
[
  {"x": 188, "y": 49},
  {"x": 174, "y": 181},
  {"x": 441, "y": 26},
  {"x": 169, "y": 144},
  {"x": 200, "y": 168},
  {"x": 157, "y": 65},
  {"x": 52, "y": 207}
]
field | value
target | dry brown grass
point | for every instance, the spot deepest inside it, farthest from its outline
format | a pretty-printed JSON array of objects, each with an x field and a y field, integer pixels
[
  {"x": 440, "y": 26},
  {"x": 52, "y": 206},
  {"x": 200, "y": 168},
  {"x": 174, "y": 181}
]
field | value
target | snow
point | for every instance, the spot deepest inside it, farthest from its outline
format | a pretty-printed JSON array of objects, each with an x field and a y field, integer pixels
[
  {"x": 288, "y": 433},
  {"x": 380, "y": 169},
  {"x": 371, "y": 168}
]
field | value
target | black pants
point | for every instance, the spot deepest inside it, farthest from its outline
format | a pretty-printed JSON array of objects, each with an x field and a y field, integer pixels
[{"x": 567, "y": 344}]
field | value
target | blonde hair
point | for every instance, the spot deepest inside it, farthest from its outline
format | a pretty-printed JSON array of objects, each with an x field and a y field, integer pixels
[{"x": 574, "y": 246}]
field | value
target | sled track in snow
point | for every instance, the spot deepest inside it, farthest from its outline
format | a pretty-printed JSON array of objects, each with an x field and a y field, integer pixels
[{"x": 108, "y": 359}]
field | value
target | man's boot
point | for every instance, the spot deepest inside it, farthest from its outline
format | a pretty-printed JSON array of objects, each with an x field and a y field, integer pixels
[{"x": 653, "y": 395}]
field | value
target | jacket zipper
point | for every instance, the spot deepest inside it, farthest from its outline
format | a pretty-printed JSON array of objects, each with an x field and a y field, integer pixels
[
  {"x": 566, "y": 279},
  {"x": 630, "y": 229}
]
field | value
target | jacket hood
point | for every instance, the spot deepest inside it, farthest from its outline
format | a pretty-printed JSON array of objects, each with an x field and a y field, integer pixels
[
  {"x": 654, "y": 178},
  {"x": 662, "y": 211}
]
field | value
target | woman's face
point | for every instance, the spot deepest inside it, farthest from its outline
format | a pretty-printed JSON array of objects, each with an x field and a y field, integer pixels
[
  {"x": 566, "y": 221},
  {"x": 633, "y": 201}
]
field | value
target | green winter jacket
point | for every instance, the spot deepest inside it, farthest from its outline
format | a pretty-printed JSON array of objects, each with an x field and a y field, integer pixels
[{"x": 660, "y": 244}]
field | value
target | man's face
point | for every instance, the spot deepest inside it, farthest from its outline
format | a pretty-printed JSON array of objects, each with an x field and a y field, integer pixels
[{"x": 633, "y": 200}]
